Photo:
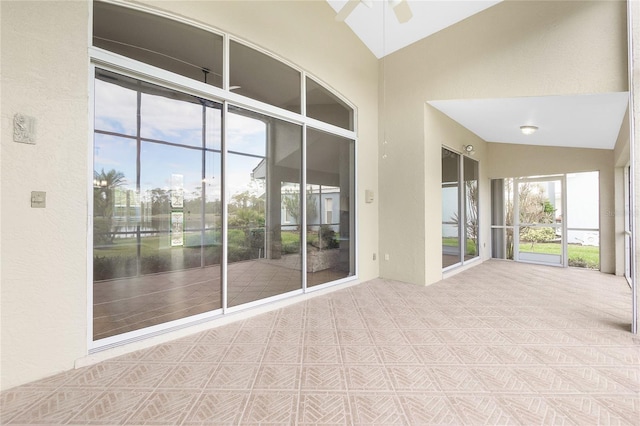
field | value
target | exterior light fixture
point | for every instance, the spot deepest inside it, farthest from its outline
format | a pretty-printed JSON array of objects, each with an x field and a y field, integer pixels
[
  {"x": 528, "y": 130},
  {"x": 468, "y": 149}
]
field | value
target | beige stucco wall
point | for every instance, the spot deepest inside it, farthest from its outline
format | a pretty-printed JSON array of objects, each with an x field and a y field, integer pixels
[
  {"x": 45, "y": 75},
  {"x": 516, "y": 48},
  {"x": 44, "y": 251}
]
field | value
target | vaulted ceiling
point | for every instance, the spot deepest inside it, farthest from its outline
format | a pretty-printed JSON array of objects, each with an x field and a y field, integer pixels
[{"x": 580, "y": 121}]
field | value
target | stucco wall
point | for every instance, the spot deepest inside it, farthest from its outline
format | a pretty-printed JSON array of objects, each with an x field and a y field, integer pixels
[
  {"x": 44, "y": 280},
  {"x": 516, "y": 48},
  {"x": 45, "y": 75}
]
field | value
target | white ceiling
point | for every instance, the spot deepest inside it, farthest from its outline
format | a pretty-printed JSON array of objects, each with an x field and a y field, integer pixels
[
  {"x": 584, "y": 121},
  {"x": 381, "y": 32},
  {"x": 578, "y": 121}
]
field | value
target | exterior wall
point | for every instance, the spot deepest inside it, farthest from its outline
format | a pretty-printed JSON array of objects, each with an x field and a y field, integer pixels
[
  {"x": 44, "y": 250},
  {"x": 45, "y": 75},
  {"x": 516, "y": 48}
]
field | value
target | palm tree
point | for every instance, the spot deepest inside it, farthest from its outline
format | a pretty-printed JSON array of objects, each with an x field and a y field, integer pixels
[{"x": 104, "y": 184}]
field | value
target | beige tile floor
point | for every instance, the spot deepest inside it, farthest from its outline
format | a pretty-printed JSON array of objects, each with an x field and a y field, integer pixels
[{"x": 499, "y": 344}]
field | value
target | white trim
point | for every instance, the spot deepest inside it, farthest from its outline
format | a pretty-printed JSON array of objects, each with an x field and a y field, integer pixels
[
  {"x": 135, "y": 69},
  {"x": 632, "y": 9},
  {"x": 90, "y": 178},
  {"x": 144, "y": 333},
  {"x": 303, "y": 211},
  {"x": 224, "y": 265}
]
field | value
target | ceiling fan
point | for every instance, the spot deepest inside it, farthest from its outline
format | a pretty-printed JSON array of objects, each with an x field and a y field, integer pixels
[{"x": 400, "y": 8}]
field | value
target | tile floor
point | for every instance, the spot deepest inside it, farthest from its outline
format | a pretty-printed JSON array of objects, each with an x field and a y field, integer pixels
[{"x": 499, "y": 344}]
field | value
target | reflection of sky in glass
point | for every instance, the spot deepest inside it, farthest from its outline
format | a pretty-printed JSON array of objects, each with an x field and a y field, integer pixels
[
  {"x": 171, "y": 120},
  {"x": 180, "y": 122},
  {"x": 246, "y": 135},
  {"x": 239, "y": 169},
  {"x": 111, "y": 152},
  {"x": 159, "y": 162},
  {"x": 115, "y": 108},
  {"x": 213, "y": 177}
]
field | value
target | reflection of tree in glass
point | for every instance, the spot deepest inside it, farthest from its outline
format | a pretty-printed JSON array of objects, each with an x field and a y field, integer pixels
[
  {"x": 104, "y": 185},
  {"x": 471, "y": 225},
  {"x": 291, "y": 202},
  {"x": 246, "y": 209}
]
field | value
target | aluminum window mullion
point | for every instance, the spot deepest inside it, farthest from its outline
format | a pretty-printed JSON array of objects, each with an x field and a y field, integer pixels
[
  {"x": 225, "y": 212},
  {"x": 462, "y": 213},
  {"x": 303, "y": 210}
]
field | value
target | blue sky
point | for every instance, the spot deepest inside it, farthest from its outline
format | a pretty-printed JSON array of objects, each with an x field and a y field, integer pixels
[{"x": 174, "y": 121}]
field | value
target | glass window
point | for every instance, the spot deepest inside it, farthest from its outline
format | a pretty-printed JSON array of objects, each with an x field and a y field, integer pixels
[
  {"x": 264, "y": 158},
  {"x": 330, "y": 174},
  {"x": 583, "y": 219},
  {"x": 451, "y": 213},
  {"x": 158, "y": 183},
  {"x": 156, "y": 207},
  {"x": 471, "y": 176},
  {"x": 325, "y": 106},
  {"x": 158, "y": 41},
  {"x": 264, "y": 78}
]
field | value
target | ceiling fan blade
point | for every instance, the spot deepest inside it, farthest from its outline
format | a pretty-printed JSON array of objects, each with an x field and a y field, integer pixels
[
  {"x": 346, "y": 10},
  {"x": 403, "y": 11}
]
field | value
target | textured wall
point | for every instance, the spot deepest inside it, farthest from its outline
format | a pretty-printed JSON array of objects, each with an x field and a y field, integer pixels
[
  {"x": 516, "y": 48},
  {"x": 44, "y": 250}
]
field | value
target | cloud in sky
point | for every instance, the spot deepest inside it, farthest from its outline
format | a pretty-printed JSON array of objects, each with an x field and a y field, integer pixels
[{"x": 176, "y": 120}]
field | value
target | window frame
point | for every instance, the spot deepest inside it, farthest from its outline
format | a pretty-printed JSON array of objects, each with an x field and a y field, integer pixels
[
  {"x": 109, "y": 61},
  {"x": 462, "y": 211}
]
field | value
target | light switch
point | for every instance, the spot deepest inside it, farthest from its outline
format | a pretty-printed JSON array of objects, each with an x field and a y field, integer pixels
[
  {"x": 368, "y": 196},
  {"x": 38, "y": 199}
]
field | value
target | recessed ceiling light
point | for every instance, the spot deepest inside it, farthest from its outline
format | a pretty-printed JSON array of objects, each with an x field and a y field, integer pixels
[{"x": 528, "y": 130}]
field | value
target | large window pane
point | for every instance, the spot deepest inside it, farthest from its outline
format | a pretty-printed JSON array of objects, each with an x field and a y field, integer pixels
[
  {"x": 156, "y": 254},
  {"x": 325, "y": 106},
  {"x": 583, "y": 220},
  {"x": 261, "y": 77},
  {"x": 471, "y": 175},
  {"x": 157, "y": 41},
  {"x": 330, "y": 209},
  {"x": 264, "y": 163},
  {"x": 451, "y": 230}
]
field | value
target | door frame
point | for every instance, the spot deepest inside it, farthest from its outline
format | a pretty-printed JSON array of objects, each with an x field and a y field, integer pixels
[{"x": 564, "y": 258}]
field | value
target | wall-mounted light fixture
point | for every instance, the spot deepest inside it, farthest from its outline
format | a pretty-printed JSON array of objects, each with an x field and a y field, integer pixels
[
  {"x": 528, "y": 129},
  {"x": 468, "y": 149}
]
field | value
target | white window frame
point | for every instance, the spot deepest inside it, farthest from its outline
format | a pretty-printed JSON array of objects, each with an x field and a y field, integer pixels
[{"x": 100, "y": 58}]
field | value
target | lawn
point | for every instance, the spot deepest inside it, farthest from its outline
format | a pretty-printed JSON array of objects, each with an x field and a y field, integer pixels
[{"x": 580, "y": 256}]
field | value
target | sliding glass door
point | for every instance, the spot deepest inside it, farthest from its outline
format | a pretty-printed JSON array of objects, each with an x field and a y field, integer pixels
[
  {"x": 156, "y": 205},
  {"x": 460, "y": 232}
]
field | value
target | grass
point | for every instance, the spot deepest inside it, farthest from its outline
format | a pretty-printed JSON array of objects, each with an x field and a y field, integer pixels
[
  {"x": 453, "y": 242},
  {"x": 581, "y": 256}
]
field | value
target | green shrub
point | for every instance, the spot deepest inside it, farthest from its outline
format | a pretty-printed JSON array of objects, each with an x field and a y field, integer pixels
[{"x": 538, "y": 235}]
